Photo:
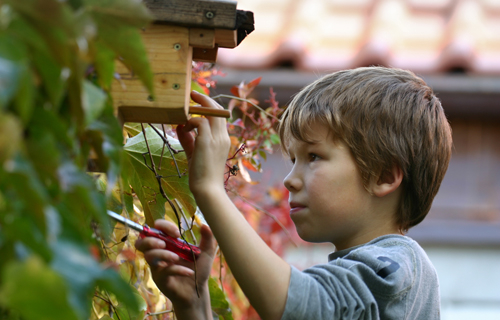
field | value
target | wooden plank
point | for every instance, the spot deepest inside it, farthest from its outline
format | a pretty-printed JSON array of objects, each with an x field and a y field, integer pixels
[
  {"x": 170, "y": 90},
  {"x": 171, "y": 59},
  {"x": 205, "y": 55},
  {"x": 195, "y": 13},
  {"x": 201, "y": 38},
  {"x": 226, "y": 38}
]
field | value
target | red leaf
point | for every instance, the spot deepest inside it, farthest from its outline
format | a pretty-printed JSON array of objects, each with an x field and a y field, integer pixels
[
  {"x": 254, "y": 82},
  {"x": 235, "y": 91},
  {"x": 247, "y": 164}
]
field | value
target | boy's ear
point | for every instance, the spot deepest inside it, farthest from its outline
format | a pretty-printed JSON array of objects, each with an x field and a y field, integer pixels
[{"x": 388, "y": 181}]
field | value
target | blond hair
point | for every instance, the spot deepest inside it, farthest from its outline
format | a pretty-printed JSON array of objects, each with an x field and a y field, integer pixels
[{"x": 387, "y": 117}]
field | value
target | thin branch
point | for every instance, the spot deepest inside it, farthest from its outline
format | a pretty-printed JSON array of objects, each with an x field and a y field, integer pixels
[
  {"x": 164, "y": 195},
  {"x": 150, "y": 314},
  {"x": 190, "y": 227},
  {"x": 170, "y": 149},
  {"x": 245, "y": 100}
]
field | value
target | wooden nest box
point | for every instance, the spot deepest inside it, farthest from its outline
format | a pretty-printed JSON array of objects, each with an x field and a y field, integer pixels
[{"x": 183, "y": 31}]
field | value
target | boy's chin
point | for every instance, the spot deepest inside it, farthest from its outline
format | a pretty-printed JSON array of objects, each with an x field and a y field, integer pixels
[{"x": 312, "y": 237}]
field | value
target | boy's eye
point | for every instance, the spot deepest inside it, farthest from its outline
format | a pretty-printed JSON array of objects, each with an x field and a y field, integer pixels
[{"x": 313, "y": 157}]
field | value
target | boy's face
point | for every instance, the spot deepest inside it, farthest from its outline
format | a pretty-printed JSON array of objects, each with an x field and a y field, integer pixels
[{"x": 328, "y": 202}]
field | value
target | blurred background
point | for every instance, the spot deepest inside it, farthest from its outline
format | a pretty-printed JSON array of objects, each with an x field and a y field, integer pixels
[{"x": 455, "y": 46}]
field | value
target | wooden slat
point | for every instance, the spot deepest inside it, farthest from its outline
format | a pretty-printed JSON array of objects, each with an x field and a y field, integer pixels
[
  {"x": 195, "y": 13},
  {"x": 205, "y": 55},
  {"x": 201, "y": 38},
  {"x": 171, "y": 59},
  {"x": 226, "y": 38}
]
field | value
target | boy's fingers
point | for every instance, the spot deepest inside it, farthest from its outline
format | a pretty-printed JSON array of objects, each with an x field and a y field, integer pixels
[
  {"x": 168, "y": 228},
  {"x": 158, "y": 258},
  {"x": 205, "y": 100},
  {"x": 149, "y": 243},
  {"x": 177, "y": 270},
  {"x": 186, "y": 139}
]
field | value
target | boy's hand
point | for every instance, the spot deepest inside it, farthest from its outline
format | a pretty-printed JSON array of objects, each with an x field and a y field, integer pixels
[
  {"x": 207, "y": 152},
  {"x": 175, "y": 277}
]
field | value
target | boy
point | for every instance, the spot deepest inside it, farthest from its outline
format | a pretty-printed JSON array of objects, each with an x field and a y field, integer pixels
[{"x": 369, "y": 149}]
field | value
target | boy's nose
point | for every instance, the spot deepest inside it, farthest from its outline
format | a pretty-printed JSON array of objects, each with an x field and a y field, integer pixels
[{"x": 292, "y": 182}]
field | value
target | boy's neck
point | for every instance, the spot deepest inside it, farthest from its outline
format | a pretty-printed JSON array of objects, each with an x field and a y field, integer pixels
[{"x": 368, "y": 234}]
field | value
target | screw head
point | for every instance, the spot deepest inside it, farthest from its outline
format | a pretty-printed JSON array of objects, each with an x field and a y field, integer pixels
[
  {"x": 150, "y": 98},
  {"x": 209, "y": 15},
  {"x": 177, "y": 47},
  {"x": 176, "y": 86}
]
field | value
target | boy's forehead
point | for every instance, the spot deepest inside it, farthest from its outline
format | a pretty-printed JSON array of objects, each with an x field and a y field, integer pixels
[{"x": 315, "y": 134}]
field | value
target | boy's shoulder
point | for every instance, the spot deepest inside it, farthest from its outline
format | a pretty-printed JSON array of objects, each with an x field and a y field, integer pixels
[
  {"x": 389, "y": 265},
  {"x": 389, "y": 277},
  {"x": 391, "y": 244}
]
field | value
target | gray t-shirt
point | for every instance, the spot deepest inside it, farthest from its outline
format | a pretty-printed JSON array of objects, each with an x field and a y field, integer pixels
[{"x": 390, "y": 277}]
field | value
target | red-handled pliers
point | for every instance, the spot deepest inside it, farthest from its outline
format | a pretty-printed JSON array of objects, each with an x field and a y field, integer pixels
[{"x": 178, "y": 246}]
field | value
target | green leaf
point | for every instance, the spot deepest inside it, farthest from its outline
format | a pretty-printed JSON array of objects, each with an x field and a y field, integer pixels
[
  {"x": 127, "y": 43},
  {"x": 132, "y": 128},
  {"x": 22, "y": 182},
  {"x": 263, "y": 155},
  {"x": 52, "y": 76},
  {"x": 275, "y": 139},
  {"x": 130, "y": 12},
  {"x": 82, "y": 273},
  {"x": 196, "y": 87},
  {"x": 94, "y": 100},
  {"x": 56, "y": 23},
  {"x": 11, "y": 138},
  {"x": 35, "y": 291},
  {"x": 25, "y": 98},
  {"x": 218, "y": 300},
  {"x": 104, "y": 63},
  {"x": 118, "y": 29},
  {"x": 124, "y": 312},
  {"x": 12, "y": 67},
  {"x": 110, "y": 146},
  {"x": 144, "y": 182}
]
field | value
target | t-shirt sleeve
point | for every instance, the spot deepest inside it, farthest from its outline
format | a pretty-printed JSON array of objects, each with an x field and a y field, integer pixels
[{"x": 328, "y": 292}]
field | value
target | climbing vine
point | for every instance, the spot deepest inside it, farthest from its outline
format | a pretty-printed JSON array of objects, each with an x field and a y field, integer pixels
[{"x": 65, "y": 160}]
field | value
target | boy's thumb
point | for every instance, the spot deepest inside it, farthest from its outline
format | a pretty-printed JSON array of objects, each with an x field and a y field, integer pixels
[
  {"x": 186, "y": 139},
  {"x": 208, "y": 243}
]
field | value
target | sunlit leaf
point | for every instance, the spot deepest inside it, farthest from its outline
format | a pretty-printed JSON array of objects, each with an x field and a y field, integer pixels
[
  {"x": 143, "y": 180},
  {"x": 132, "y": 128},
  {"x": 93, "y": 101},
  {"x": 196, "y": 87},
  {"x": 10, "y": 136},
  {"x": 218, "y": 300}
]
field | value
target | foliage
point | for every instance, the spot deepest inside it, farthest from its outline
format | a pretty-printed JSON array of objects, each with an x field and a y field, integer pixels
[
  {"x": 62, "y": 258},
  {"x": 53, "y": 115}
]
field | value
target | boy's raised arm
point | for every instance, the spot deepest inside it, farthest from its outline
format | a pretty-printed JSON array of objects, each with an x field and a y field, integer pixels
[{"x": 262, "y": 274}]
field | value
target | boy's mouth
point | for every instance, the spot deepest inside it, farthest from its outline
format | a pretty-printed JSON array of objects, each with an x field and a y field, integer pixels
[{"x": 295, "y": 207}]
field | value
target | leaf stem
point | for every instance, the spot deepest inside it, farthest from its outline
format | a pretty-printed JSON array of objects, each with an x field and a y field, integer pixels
[{"x": 245, "y": 100}]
